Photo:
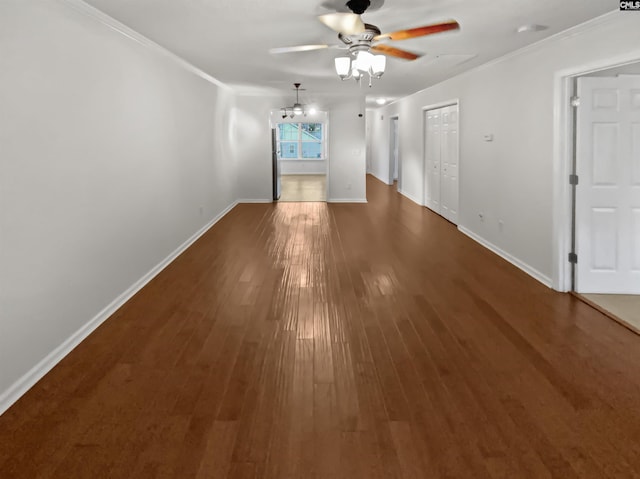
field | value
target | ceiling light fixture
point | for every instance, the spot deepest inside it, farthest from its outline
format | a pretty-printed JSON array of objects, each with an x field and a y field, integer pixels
[
  {"x": 362, "y": 63},
  {"x": 531, "y": 28},
  {"x": 297, "y": 108},
  {"x": 381, "y": 101}
]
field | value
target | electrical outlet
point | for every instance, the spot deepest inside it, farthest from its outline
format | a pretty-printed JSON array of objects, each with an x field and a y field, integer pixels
[
  {"x": 500, "y": 225},
  {"x": 481, "y": 216},
  {"x": 201, "y": 210}
]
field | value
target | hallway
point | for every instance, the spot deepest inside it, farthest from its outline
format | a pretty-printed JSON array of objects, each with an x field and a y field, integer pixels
[{"x": 314, "y": 340}]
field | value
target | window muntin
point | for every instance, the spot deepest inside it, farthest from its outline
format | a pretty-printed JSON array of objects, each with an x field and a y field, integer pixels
[{"x": 301, "y": 141}]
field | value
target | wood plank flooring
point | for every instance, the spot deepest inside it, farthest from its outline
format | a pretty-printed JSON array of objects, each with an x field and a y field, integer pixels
[
  {"x": 306, "y": 340},
  {"x": 624, "y": 308}
]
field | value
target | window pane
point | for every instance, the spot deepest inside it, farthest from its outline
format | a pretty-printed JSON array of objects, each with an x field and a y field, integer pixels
[
  {"x": 288, "y": 131},
  {"x": 300, "y": 140},
  {"x": 289, "y": 149},
  {"x": 311, "y": 131},
  {"x": 311, "y": 150}
]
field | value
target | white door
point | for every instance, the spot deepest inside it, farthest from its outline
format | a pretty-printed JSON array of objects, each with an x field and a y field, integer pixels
[
  {"x": 608, "y": 192},
  {"x": 441, "y": 161},
  {"x": 449, "y": 164},
  {"x": 432, "y": 159}
]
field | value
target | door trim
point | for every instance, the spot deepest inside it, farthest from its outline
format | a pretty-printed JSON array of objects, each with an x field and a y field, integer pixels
[
  {"x": 393, "y": 118},
  {"x": 563, "y": 128}
]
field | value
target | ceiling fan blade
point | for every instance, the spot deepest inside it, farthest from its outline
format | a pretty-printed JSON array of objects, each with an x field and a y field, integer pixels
[
  {"x": 420, "y": 31},
  {"x": 394, "y": 52},
  {"x": 345, "y": 23},
  {"x": 299, "y": 48}
]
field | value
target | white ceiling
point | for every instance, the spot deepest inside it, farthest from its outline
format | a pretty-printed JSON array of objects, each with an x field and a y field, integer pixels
[{"x": 230, "y": 39}]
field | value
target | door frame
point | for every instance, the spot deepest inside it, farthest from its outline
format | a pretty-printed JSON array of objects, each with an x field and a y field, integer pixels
[
  {"x": 396, "y": 140},
  {"x": 425, "y": 109},
  {"x": 275, "y": 118},
  {"x": 563, "y": 150}
]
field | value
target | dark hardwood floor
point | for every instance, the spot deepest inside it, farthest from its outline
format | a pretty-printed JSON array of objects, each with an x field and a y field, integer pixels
[{"x": 306, "y": 340}]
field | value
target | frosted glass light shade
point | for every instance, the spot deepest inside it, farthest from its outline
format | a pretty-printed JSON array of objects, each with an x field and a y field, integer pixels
[
  {"x": 378, "y": 65},
  {"x": 364, "y": 61},
  {"x": 343, "y": 65}
]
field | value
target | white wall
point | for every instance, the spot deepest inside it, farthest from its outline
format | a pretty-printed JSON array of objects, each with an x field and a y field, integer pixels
[
  {"x": 511, "y": 178},
  {"x": 113, "y": 156},
  {"x": 347, "y": 151},
  {"x": 303, "y": 167},
  {"x": 369, "y": 116},
  {"x": 252, "y": 150}
]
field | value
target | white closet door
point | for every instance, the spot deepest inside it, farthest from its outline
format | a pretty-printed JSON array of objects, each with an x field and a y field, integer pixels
[
  {"x": 432, "y": 160},
  {"x": 608, "y": 193},
  {"x": 441, "y": 161},
  {"x": 449, "y": 163}
]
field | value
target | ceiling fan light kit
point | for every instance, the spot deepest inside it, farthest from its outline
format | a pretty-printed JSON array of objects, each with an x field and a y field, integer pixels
[
  {"x": 361, "y": 39},
  {"x": 363, "y": 63}
]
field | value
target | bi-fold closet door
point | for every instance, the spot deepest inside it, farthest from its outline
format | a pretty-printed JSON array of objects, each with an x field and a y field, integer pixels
[{"x": 441, "y": 161}]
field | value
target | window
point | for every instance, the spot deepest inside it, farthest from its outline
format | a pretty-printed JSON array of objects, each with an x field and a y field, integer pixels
[{"x": 300, "y": 141}]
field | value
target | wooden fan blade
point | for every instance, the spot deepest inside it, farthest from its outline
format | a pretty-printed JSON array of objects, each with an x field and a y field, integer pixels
[
  {"x": 394, "y": 52},
  {"x": 345, "y": 23},
  {"x": 420, "y": 31},
  {"x": 299, "y": 48}
]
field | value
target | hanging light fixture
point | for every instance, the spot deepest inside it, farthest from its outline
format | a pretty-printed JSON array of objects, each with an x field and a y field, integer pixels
[
  {"x": 297, "y": 108},
  {"x": 362, "y": 63}
]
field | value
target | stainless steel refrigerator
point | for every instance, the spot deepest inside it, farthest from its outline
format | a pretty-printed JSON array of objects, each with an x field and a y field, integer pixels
[{"x": 276, "y": 165}]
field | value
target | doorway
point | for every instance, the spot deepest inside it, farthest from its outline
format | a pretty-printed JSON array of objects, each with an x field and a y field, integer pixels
[
  {"x": 394, "y": 152},
  {"x": 604, "y": 251},
  {"x": 300, "y": 156},
  {"x": 441, "y": 160},
  {"x": 607, "y": 213}
]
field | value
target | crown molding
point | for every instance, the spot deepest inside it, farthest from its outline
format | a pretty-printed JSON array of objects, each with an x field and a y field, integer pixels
[{"x": 113, "y": 24}]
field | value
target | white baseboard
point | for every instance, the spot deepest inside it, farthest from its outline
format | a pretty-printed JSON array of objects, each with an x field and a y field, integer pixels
[
  {"x": 411, "y": 197},
  {"x": 26, "y": 382},
  {"x": 254, "y": 201},
  {"x": 534, "y": 273},
  {"x": 347, "y": 200}
]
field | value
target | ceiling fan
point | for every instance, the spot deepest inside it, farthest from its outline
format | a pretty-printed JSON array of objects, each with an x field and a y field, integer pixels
[
  {"x": 358, "y": 36},
  {"x": 297, "y": 108}
]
